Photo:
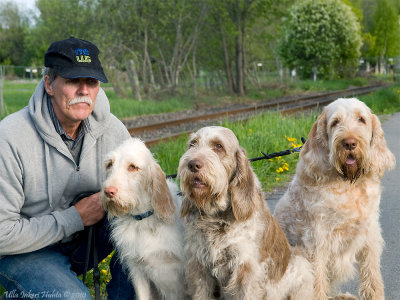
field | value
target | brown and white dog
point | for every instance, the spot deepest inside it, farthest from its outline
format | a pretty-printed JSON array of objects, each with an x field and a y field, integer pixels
[
  {"x": 331, "y": 207},
  {"x": 146, "y": 229},
  {"x": 232, "y": 242}
]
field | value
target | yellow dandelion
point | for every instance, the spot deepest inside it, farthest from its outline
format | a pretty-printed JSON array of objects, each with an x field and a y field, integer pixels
[
  {"x": 104, "y": 272},
  {"x": 286, "y": 168},
  {"x": 109, "y": 256},
  {"x": 270, "y": 159},
  {"x": 280, "y": 170},
  {"x": 103, "y": 261},
  {"x": 277, "y": 179}
]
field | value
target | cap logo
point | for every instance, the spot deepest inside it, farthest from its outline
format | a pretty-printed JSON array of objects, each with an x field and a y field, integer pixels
[{"x": 82, "y": 55}]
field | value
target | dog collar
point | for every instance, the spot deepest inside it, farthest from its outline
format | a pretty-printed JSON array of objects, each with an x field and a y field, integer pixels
[{"x": 144, "y": 215}]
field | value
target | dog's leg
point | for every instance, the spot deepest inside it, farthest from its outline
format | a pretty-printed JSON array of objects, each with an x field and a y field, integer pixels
[
  {"x": 368, "y": 258},
  {"x": 244, "y": 283},
  {"x": 200, "y": 284},
  {"x": 142, "y": 286},
  {"x": 302, "y": 285},
  {"x": 319, "y": 263}
]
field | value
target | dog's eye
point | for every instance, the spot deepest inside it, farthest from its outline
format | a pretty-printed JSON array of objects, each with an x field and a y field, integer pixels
[
  {"x": 334, "y": 123},
  {"x": 192, "y": 144},
  {"x": 109, "y": 165},
  {"x": 361, "y": 120},
  {"x": 218, "y": 146},
  {"x": 132, "y": 168}
]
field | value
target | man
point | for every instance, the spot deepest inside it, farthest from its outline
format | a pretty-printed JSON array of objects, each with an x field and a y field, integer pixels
[{"x": 51, "y": 152}]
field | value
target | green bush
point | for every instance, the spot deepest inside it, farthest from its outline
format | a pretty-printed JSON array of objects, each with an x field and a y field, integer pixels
[{"x": 321, "y": 34}]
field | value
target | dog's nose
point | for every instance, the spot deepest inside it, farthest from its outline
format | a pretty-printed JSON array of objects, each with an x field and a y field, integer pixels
[
  {"x": 111, "y": 191},
  {"x": 195, "y": 165},
  {"x": 350, "y": 143}
]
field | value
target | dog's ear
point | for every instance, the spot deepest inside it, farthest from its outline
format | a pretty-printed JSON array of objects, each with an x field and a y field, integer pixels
[
  {"x": 316, "y": 149},
  {"x": 381, "y": 157},
  {"x": 162, "y": 200},
  {"x": 317, "y": 140},
  {"x": 242, "y": 188},
  {"x": 185, "y": 207}
]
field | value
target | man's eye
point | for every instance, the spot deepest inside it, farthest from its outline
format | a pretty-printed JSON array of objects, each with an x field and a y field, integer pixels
[
  {"x": 92, "y": 82},
  {"x": 73, "y": 80}
]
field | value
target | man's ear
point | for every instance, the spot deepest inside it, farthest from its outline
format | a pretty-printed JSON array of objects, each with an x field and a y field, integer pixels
[{"x": 48, "y": 86}]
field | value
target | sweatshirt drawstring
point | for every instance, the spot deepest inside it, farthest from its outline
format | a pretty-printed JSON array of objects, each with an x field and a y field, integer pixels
[{"x": 49, "y": 177}]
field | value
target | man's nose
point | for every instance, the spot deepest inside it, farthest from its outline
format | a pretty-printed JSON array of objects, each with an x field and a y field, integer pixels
[{"x": 83, "y": 87}]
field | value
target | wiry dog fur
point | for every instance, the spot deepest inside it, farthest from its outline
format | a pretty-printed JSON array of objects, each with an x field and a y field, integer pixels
[
  {"x": 332, "y": 205},
  {"x": 232, "y": 242},
  {"x": 151, "y": 248}
]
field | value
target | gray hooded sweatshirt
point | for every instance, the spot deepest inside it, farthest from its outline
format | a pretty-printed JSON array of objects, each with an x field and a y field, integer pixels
[{"x": 39, "y": 177}]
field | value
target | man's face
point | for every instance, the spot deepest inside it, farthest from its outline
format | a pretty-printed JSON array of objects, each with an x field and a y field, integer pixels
[{"x": 71, "y": 98}]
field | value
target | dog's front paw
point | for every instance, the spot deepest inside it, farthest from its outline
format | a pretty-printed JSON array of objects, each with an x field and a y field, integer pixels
[{"x": 346, "y": 296}]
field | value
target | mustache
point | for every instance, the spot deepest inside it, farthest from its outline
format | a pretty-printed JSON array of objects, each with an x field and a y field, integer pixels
[{"x": 81, "y": 100}]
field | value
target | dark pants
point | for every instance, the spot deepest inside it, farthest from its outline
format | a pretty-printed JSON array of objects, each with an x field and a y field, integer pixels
[{"x": 52, "y": 271}]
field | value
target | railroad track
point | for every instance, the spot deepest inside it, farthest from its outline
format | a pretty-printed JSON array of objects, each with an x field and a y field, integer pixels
[{"x": 156, "y": 131}]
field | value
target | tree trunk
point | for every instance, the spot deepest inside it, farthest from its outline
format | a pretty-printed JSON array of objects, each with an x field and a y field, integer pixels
[
  {"x": 194, "y": 74},
  {"x": 133, "y": 79},
  {"x": 227, "y": 63},
  {"x": 2, "y": 76},
  {"x": 314, "y": 73},
  {"x": 239, "y": 66}
]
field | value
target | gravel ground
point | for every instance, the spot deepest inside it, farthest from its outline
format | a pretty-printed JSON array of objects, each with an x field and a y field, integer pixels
[{"x": 187, "y": 127}]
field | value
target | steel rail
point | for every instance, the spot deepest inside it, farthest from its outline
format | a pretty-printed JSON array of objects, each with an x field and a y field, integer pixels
[{"x": 288, "y": 106}]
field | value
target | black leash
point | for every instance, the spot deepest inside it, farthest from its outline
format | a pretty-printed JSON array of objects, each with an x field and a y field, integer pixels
[
  {"x": 91, "y": 249},
  {"x": 268, "y": 156}
]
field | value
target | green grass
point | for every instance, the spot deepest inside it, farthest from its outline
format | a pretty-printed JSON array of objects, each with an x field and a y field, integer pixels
[
  {"x": 384, "y": 101},
  {"x": 270, "y": 132},
  {"x": 17, "y": 94}
]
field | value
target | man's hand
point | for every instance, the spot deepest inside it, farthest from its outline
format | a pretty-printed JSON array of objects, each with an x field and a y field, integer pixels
[{"x": 90, "y": 209}]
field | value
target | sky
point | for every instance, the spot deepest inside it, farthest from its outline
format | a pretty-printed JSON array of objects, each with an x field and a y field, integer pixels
[{"x": 23, "y": 4}]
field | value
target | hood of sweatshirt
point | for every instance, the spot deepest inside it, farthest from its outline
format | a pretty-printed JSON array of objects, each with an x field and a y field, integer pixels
[{"x": 99, "y": 121}]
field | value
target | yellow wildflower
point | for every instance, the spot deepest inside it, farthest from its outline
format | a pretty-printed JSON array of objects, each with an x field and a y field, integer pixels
[
  {"x": 104, "y": 272},
  {"x": 277, "y": 179}
]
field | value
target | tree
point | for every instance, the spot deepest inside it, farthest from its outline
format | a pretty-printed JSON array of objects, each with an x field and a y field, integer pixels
[
  {"x": 13, "y": 31},
  {"x": 321, "y": 36},
  {"x": 386, "y": 32}
]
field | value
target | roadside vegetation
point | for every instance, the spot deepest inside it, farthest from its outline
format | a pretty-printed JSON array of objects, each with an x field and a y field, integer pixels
[{"x": 16, "y": 95}]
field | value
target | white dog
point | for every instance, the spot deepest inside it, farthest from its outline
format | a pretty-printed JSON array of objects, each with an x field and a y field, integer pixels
[
  {"x": 232, "y": 242},
  {"x": 332, "y": 205},
  {"x": 146, "y": 228}
]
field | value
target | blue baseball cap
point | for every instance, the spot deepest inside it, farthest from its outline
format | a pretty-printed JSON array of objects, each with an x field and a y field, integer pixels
[{"x": 75, "y": 58}]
